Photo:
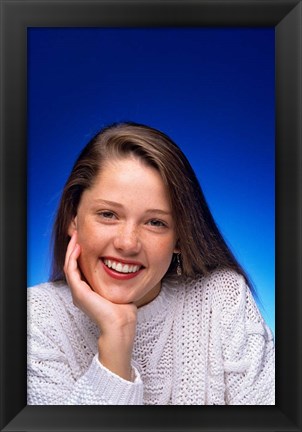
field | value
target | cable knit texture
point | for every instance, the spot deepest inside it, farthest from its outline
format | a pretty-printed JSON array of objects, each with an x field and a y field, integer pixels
[{"x": 199, "y": 342}]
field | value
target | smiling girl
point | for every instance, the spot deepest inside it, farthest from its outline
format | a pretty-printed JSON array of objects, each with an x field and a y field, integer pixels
[{"x": 146, "y": 303}]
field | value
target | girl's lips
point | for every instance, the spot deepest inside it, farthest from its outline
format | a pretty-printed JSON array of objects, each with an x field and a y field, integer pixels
[
  {"x": 123, "y": 261},
  {"x": 118, "y": 275}
]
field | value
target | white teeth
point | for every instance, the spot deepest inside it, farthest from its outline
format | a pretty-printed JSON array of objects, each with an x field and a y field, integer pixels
[{"x": 121, "y": 268}]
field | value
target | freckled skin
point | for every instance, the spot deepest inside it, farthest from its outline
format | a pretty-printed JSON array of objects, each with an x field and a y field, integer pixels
[{"x": 136, "y": 188}]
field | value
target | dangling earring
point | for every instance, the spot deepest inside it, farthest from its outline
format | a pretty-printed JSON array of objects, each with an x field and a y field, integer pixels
[{"x": 178, "y": 269}]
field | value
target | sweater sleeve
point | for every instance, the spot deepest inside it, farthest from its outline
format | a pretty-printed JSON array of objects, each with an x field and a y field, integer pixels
[
  {"x": 99, "y": 386},
  {"x": 247, "y": 348},
  {"x": 55, "y": 377}
]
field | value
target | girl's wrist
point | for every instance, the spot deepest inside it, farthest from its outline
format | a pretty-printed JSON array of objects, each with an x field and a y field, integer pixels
[{"x": 115, "y": 354}]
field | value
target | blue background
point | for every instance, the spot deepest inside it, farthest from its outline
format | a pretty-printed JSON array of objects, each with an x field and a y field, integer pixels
[{"x": 212, "y": 90}]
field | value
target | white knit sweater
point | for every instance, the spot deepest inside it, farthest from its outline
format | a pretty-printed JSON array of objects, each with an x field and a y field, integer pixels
[{"x": 199, "y": 342}]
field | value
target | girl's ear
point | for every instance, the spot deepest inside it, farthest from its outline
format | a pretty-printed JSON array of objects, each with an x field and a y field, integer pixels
[
  {"x": 72, "y": 226},
  {"x": 177, "y": 247}
]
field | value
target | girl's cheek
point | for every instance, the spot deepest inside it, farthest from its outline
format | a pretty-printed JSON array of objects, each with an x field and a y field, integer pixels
[{"x": 165, "y": 244}]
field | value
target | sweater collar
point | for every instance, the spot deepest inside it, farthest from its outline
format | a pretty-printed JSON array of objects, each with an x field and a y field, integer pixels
[{"x": 162, "y": 302}]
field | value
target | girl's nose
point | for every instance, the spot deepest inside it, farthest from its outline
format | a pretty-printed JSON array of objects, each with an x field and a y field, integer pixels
[{"x": 127, "y": 239}]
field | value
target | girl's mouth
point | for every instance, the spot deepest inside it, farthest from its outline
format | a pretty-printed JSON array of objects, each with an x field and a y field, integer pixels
[{"x": 121, "y": 270}]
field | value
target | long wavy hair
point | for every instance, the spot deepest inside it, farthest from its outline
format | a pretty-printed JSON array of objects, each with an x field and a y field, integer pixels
[{"x": 203, "y": 248}]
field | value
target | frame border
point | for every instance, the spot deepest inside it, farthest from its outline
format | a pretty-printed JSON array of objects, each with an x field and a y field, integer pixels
[{"x": 16, "y": 17}]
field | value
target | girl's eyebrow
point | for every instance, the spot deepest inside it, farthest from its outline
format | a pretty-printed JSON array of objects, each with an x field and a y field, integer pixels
[
  {"x": 115, "y": 204},
  {"x": 160, "y": 211},
  {"x": 110, "y": 203}
]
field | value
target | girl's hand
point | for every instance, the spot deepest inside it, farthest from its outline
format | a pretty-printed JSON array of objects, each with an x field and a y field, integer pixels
[{"x": 117, "y": 322}]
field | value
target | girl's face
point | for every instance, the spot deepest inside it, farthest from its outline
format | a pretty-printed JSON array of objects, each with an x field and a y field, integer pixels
[{"x": 126, "y": 232}]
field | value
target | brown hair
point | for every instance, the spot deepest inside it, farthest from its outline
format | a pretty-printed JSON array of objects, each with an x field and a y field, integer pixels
[{"x": 202, "y": 246}]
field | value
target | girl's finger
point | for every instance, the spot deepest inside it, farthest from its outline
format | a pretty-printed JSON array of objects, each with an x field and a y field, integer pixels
[
  {"x": 70, "y": 248},
  {"x": 71, "y": 269}
]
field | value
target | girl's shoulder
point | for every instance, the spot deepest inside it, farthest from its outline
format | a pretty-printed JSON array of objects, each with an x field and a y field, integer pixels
[
  {"x": 224, "y": 291},
  {"x": 47, "y": 291},
  {"x": 220, "y": 284},
  {"x": 46, "y": 300},
  {"x": 232, "y": 299}
]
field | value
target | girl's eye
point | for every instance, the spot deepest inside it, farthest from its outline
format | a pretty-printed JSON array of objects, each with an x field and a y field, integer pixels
[
  {"x": 107, "y": 215},
  {"x": 157, "y": 223}
]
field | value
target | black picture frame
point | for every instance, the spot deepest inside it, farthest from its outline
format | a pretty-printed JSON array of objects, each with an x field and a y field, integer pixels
[{"x": 16, "y": 16}]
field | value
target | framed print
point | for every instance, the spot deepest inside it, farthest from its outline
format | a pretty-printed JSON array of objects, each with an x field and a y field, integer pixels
[{"x": 22, "y": 19}]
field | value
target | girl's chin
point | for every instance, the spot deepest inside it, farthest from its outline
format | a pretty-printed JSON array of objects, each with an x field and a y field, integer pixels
[
  {"x": 122, "y": 299},
  {"x": 119, "y": 293},
  {"x": 115, "y": 297}
]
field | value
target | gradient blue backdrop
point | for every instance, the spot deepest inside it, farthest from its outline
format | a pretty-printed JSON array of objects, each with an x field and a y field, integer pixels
[{"x": 211, "y": 90}]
